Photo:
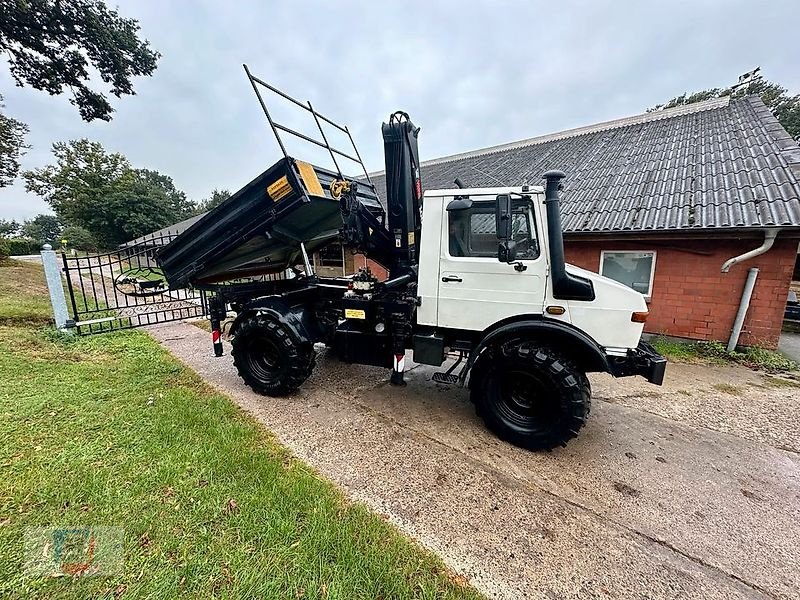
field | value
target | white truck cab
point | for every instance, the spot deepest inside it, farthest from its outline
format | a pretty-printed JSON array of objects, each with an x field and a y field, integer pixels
[{"x": 469, "y": 288}]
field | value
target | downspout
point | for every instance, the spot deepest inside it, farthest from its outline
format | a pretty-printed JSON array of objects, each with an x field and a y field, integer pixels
[
  {"x": 749, "y": 285},
  {"x": 769, "y": 240}
]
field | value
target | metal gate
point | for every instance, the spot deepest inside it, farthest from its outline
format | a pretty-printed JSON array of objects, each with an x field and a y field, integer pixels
[{"x": 125, "y": 289}]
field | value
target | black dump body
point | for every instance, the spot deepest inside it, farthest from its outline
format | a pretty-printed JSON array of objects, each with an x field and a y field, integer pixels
[{"x": 259, "y": 229}]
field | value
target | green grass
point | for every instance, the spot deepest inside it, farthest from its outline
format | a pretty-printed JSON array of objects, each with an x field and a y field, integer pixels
[
  {"x": 111, "y": 430},
  {"x": 23, "y": 293},
  {"x": 716, "y": 353}
]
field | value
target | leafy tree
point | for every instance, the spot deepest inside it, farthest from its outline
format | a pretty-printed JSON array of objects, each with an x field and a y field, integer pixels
[
  {"x": 217, "y": 197},
  {"x": 101, "y": 192},
  {"x": 77, "y": 186},
  {"x": 51, "y": 45},
  {"x": 145, "y": 202},
  {"x": 78, "y": 238},
  {"x": 786, "y": 108},
  {"x": 8, "y": 228},
  {"x": 42, "y": 228},
  {"x": 12, "y": 146}
]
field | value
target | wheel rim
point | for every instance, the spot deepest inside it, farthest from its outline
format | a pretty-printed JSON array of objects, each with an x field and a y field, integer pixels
[
  {"x": 526, "y": 401},
  {"x": 265, "y": 359}
]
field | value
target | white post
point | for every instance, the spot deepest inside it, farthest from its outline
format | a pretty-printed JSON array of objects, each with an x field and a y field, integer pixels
[{"x": 52, "y": 273}]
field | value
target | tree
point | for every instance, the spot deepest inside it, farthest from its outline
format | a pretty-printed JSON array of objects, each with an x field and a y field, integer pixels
[
  {"x": 145, "y": 202},
  {"x": 217, "y": 197},
  {"x": 43, "y": 229},
  {"x": 51, "y": 45},
  {"x": 12, "y": 146},
  {"x": 786, "y": 108},
  {"x": 101, "y": 192},
  {"x": 8, "y": 228},
  {"x": 77, "y": 186},
  {"x": 78, "y": 238}
]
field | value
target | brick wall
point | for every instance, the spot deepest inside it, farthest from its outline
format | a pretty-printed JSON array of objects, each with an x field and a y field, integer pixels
[
  {"x": 352, "y": 263},
  {"x": 693, "y": 299},
  {"x": 359, "y": 260}
]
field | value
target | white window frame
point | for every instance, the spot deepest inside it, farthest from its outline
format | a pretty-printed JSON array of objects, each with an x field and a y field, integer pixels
[{"x": 649, "y": 293}]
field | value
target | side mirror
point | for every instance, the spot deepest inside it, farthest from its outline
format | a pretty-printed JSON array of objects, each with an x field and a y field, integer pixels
[
  {"x": 502, "y": 217},
  {"x": 507, "y": 251},
  {"x": 507, "y": 248}
]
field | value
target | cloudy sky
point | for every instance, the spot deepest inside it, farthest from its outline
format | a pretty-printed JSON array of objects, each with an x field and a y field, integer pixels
[{"x": 471, "y": 74}]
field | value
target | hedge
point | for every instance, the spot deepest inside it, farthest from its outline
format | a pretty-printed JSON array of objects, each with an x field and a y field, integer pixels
[{"x": 20, "y": 246}]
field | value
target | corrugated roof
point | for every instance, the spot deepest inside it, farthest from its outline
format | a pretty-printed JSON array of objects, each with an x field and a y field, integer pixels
[{"x": 709, "y": 165}]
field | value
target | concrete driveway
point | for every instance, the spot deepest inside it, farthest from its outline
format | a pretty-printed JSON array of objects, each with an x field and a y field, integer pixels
[
  {"x": 789, "y": 345},
  {"x": 689, "y": 490}
]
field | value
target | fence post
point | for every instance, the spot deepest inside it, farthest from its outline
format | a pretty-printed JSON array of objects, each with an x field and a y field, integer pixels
[{"x": 52, "y": 273}]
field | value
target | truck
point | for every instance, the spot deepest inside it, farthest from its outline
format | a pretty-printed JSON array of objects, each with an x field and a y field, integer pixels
[{"x": 477, "y": 285}]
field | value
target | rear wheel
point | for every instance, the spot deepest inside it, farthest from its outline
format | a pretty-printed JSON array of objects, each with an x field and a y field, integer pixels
[
  {"x": 531, "y": 395},
  {"x": 269, "y": 358}
]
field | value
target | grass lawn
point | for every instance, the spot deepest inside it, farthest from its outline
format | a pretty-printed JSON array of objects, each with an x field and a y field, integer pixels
[{"x": 111, "y": 430}]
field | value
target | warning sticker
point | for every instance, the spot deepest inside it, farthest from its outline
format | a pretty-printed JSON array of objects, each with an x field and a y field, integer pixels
[
  {"x": 354, "y": 313},
  {"x": 279, "y": 188}
]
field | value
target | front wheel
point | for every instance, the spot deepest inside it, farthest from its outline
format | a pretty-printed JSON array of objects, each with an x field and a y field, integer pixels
[{"x": 530, "y": 395}]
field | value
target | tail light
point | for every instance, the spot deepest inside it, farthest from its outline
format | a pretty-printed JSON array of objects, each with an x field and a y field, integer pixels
[{"x": 640, "y": 317}]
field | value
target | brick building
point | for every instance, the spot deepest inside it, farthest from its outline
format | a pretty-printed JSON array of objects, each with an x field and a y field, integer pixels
[{"x": 660, "y": 201}]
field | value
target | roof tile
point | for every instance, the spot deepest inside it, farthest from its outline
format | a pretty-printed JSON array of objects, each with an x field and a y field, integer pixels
[{"x": 716, "y": 164}]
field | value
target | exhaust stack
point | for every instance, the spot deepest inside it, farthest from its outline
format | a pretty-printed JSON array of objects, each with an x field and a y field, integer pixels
[{"x": 566, "y": 286}]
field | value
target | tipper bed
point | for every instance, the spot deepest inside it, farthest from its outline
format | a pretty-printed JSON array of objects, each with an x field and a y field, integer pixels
[{"x": 261, "y": 227}]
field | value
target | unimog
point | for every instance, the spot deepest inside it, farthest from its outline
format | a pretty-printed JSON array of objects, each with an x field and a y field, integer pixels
[{"x": 476, "y": 276}]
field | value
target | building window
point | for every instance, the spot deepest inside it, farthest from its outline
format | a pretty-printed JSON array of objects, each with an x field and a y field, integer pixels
[
  {"x": 473, "y": 231},
  {"x": 331, "y": 255},
  {"x": 634, "y": 269}
]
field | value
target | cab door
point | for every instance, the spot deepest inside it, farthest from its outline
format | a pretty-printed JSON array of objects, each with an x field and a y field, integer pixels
[{"x": 475, "y": 289}]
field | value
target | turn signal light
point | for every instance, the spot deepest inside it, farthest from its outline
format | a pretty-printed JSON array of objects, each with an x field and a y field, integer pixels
[
  {"x": 555, "y": 310},
  {"x": 640, "y": 317}
]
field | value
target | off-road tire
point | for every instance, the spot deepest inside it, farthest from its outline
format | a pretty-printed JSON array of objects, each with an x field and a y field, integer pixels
[
  {"x": 269, "y": 357},
  {"x": 530, "y": 395}
]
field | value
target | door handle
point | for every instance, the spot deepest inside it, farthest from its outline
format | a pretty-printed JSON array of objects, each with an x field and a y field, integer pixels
[{"x": 455, "y": 278}]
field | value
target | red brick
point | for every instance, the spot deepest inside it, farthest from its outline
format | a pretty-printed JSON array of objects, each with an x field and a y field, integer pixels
[{"x": 692, "y": 298}]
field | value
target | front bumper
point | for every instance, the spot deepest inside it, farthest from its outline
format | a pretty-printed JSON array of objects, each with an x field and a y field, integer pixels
[{"x": 643, "y": 360}]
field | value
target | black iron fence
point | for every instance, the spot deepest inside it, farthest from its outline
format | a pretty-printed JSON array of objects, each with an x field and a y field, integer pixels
[{"x": 125, "y": 289}]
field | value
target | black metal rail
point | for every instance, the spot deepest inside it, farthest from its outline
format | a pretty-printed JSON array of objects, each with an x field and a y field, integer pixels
[{"x": 319, "y": 119}]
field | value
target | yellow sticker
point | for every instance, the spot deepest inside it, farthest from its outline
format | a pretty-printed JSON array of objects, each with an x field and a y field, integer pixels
[
  {"x": 354, "y": 313},
  {"x": 410, "y": 238},
  {"x": 279, "y": 189},
  {"x": 310, "y": 179}
]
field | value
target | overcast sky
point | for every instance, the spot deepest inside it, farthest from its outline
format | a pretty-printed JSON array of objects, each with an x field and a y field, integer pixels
[{"x": 471, "y": 74}]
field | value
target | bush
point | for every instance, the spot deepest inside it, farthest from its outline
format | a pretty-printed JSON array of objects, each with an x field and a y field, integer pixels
[
  {"x": 79, "y": 238},
  {"x": 5, "y": 249},
  {"x": 20, "y": 246}
]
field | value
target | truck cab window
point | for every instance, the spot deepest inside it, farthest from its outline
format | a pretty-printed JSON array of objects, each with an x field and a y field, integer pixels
[{"x": 472, "y": 232}]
